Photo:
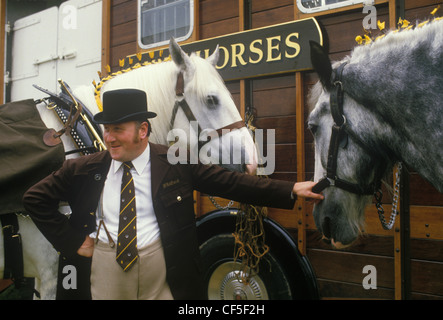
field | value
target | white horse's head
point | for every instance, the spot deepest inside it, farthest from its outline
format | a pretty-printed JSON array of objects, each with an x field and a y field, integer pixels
[
  {"x": 201, "y": 117},
  {"x": 214, "y": 126}
]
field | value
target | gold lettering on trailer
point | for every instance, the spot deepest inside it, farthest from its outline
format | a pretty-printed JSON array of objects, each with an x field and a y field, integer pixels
[
  {"x": 292, "y": 44},
  {"x": 226, "y": 55},
  {"x": 238, "y": 55},
  {"x": 272, "y": 47},
  {"x": 256, "y": 50}
]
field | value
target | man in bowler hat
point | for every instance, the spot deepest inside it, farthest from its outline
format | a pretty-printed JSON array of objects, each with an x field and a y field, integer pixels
[{"x": 160, "y": 258}]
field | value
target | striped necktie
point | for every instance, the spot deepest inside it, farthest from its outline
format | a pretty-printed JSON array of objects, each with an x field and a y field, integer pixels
[{"x": 127, "y": 235}]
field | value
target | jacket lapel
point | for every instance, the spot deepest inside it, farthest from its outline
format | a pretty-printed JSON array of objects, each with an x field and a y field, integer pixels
[
  {"x": 159, "y": 167},
  {"x": 97, "y": 171}
]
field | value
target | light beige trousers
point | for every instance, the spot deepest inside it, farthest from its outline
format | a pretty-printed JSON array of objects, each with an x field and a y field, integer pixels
[{"x": 146, "y": 280}]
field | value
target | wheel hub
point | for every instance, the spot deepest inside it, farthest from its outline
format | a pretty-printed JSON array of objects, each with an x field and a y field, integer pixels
[{"x": 226, "y": 284}]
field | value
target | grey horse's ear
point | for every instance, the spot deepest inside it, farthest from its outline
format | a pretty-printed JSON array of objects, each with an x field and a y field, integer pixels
[
  {"x": 321, "y": 63},
  {"x": 180, "y": 57},
  {"x": 213, "y": 58}
]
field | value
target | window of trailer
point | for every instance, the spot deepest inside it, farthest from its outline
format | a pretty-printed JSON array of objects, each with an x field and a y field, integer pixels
[
  {"x": 159, "y": 20},
  {"x": 311, "y": 6}
]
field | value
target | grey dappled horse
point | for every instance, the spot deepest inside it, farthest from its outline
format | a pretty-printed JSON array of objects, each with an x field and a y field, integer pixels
[{"x": 387, "y": 106}]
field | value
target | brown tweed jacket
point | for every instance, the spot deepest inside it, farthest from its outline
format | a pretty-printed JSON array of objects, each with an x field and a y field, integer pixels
[{"x": 80, "y": 182}]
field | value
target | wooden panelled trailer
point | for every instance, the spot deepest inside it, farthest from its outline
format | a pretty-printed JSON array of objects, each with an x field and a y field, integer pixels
[{"x": 404, "y": 268}]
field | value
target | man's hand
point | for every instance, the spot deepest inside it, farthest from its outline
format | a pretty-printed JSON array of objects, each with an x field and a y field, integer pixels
[
  {"x": 304, "y": 190},
  {"x": 87, "y": 248}
]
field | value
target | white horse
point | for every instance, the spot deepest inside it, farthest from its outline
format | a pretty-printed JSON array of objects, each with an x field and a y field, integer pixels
[{"x": 212, "y": 107}]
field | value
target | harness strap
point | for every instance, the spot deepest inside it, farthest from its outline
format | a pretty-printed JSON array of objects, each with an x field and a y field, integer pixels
[
  {"x": 51, "y": 137},
  {"x": 79, "y": 124},
  {"x": 236, "y": 125},
  {"x": 183, "y": 104},
  {"x": 180, "y": 86},
  {"x": 336, "y": 99},
  {"x": 344, "y": 185},
  {"x": 13, "y": 249},
  {"x": 338, "y": 136},
  {"x": 321, "y": 185},
  {"x": 334, "y": 144}
]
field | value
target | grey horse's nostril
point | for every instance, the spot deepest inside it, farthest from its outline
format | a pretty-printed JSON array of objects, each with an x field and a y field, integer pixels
[{"x": 326, "y": 227}]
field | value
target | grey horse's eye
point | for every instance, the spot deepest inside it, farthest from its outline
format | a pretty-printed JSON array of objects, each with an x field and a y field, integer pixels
[
  {"x": 312, "y": 127},
  {"x": 212, "y": 101}
]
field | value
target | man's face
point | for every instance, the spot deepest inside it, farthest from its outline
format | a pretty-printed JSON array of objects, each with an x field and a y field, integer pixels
[{"x": 126, "y": 141}]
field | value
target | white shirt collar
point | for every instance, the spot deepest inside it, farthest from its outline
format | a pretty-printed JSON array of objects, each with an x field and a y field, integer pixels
[{"x": 139, "y": 163}]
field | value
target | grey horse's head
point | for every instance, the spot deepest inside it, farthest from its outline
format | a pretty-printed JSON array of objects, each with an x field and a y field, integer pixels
[{"x": 340, "y": 216}]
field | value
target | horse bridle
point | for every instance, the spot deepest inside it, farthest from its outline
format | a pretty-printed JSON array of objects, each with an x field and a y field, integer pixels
[
  {"x": 181, "y": 102},
  {"x": 339, "y": 136}
]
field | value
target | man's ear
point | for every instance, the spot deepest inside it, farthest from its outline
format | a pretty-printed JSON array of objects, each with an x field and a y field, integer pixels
[{"x": 144, "y": 130}]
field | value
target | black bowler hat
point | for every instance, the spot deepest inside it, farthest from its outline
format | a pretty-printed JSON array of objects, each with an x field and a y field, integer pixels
[{"x": 124, "y": 105}]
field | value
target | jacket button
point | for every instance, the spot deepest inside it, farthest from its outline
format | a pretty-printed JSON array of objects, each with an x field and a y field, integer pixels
[{"x": 179, "y": 198}]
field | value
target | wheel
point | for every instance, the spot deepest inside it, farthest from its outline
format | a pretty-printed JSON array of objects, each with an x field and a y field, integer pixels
[
  {"x": 222, "y": 276},
  {"x": 283, "y": 273}
]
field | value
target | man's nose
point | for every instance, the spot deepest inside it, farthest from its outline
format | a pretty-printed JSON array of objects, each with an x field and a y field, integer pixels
[{"x": 109, "y": 137}]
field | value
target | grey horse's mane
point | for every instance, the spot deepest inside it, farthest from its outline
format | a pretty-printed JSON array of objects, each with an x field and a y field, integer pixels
[
  {"x": 396, "y": 64},
  {"x": 392, "y": 49}
]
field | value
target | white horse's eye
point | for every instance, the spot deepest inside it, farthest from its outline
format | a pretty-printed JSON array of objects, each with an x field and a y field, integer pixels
[{"x": 212, "y": 101}]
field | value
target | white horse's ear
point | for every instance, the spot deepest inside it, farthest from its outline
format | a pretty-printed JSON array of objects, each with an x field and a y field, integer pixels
[
  {"x": 180, "y": 58},
  {"x": 213, "y": 59}
]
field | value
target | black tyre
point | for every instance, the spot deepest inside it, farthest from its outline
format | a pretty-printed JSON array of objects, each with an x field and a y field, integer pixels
[{"x": 222, "y": 275}]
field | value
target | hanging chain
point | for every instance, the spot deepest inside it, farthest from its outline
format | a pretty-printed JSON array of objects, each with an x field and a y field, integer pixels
[
  {"x": 219, "y": 207},
  {"x": 248, "y": 123},
  {"x": 250, "y": 244},
  {"x": 378, "y": 197}
]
